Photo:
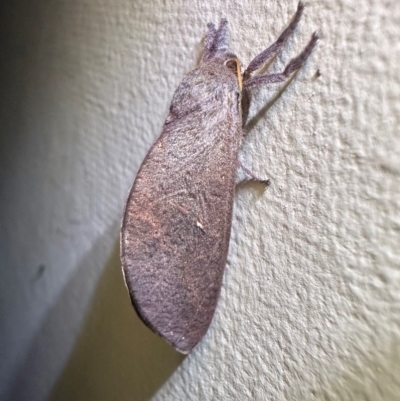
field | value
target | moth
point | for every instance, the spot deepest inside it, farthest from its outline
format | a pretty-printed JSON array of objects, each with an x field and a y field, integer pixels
[{"x": 177, "y": 220}]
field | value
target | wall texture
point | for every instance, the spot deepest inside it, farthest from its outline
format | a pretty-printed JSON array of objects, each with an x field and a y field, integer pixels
[{"x": 311, "y": 296}]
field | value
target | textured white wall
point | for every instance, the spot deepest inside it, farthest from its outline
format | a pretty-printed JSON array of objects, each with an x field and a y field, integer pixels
[{"x": 311, "y": 296}]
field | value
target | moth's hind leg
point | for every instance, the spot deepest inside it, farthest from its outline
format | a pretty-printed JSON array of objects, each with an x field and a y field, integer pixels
[
  {"x": 253, "y": 176},
  {"x": 216, "y": 42},
  {"x": 275, "y": 48},
  {"x": 294, "y": 65}
]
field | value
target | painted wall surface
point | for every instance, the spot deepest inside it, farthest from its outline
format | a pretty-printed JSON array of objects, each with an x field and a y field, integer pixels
[{"x": 310, "y": 303}]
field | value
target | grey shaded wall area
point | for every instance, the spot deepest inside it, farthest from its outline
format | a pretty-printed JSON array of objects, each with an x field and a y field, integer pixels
[{"x": 310, "y": 303}]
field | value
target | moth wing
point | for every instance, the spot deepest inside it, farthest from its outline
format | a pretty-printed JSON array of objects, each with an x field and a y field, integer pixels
[{"x": 177, "y": 222}]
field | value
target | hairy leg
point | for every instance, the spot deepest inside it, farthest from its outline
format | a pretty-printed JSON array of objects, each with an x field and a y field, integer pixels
[
  {"x": 274, "y": 49},
  {"x": 254, "y": 177},
  {"x": 294, "y": 65}
]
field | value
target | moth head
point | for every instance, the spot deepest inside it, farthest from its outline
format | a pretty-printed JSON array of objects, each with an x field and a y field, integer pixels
[{"x": 234, "y": 65}]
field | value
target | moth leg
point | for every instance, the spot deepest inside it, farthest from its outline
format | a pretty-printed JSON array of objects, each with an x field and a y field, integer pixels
[
  {"x": 294, "y": 65},
  {"x": 216, "y": 42},
  {"x": 254, "y": 177},
  {"x": 275, "y": 48}
]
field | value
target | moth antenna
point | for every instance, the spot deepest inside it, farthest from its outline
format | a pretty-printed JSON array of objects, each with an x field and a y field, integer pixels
[
  {"x": 209, "y": 41},
  {"x": 216, "y": 43},
  {"x": 221, "y": 39}
]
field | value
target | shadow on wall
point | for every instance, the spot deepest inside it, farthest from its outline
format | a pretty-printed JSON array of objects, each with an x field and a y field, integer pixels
[{"x": 115, "y": 356}]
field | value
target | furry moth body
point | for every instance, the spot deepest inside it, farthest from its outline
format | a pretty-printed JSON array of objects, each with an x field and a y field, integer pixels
[{"x": 177, "y": 221}]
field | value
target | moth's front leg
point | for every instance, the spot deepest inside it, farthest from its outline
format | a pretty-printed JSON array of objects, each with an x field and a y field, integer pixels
[
  {"x": 294, "y": 65},
  {"x": 250, "y": 83},
  {"x": 255, "y": 82},
  {"x": 276, "y": 47}
]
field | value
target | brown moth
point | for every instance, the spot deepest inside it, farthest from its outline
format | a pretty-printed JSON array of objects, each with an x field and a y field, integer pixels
[{"x": 177, "y": 221}]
